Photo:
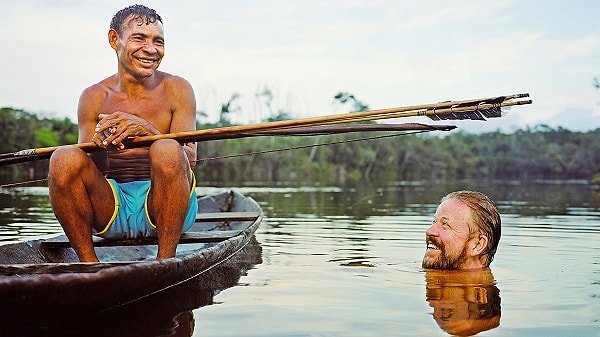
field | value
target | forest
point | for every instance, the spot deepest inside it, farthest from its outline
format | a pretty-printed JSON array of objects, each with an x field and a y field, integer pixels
[{"x": 539, "y": 153}]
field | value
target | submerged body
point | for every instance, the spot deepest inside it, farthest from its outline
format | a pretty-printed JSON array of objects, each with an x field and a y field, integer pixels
[{"x": 464, "y": 302}]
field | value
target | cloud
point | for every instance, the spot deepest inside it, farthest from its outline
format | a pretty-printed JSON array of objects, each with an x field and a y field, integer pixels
[{"x": 386, "y": 53}]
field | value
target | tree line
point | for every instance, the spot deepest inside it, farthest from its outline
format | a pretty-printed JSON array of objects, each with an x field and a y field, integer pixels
[{"x": 526, "y": 154}]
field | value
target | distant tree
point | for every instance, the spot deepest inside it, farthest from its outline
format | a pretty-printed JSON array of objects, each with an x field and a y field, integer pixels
[
  {"x": 45, "y": 137},
  {"x": 596, "y": 84},
  {"x": 357, "y": 105},
  {"x": 226, "y": 109},
  {"x": 24, "y": 130},
  {"x": 265, "y": 97},
  {"x": 540, "y": 152},
  {"x": 280, "y": 116}
]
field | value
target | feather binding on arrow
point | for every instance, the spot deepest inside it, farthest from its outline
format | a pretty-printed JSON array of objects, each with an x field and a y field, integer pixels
[{"x": 477, "y": 109}]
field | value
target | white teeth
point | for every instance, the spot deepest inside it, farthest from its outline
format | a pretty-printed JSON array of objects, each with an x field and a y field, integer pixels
[{"x": 431, "y": 246}]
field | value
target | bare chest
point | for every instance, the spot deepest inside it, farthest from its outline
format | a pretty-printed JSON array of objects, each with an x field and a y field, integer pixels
[{"x": 155, "y": 109}]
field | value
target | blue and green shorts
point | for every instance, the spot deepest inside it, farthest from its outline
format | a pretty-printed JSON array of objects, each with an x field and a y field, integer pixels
[{"x": 130, "y": 219}]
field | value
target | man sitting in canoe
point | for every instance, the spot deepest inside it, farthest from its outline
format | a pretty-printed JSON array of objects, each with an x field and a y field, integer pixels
[
  {"x": 136, "y": 192},
  {"x": 464, "y": 234}
]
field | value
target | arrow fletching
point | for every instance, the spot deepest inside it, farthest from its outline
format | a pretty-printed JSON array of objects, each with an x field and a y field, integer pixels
[{"x": 477, "y": 110}]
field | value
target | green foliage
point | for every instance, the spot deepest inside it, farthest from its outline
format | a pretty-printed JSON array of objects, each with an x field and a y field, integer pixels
[
  {"x": 24, "y": 130},
  {"x": 18, "y": 129},
  {"x": 45, "y": 137},
  {"x": 226, "y": 109},
  {"x": 345, "y": 97},
  {"x": 530, "y": 154}
]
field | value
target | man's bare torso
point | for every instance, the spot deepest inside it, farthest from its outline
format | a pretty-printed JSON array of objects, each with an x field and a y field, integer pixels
[{"x": 153, "y": 104}]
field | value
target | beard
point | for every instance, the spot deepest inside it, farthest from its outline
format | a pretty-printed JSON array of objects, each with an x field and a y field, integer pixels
[{"x": 444, "y": 260}]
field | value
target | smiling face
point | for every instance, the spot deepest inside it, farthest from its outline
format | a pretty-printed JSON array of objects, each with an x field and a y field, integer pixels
[
  {"x": 450, "y": 243},
  {"x": 139, "y": 46}
]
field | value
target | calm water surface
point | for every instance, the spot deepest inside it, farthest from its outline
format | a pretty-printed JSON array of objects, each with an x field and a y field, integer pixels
[{"x": 336, "y": 261}]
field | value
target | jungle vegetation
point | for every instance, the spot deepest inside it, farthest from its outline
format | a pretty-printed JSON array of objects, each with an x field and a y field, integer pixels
[{"x": 537, "y": 153}]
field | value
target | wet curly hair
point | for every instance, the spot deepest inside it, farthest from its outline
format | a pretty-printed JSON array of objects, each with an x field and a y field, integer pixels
[{"x": 143, "y": 14}]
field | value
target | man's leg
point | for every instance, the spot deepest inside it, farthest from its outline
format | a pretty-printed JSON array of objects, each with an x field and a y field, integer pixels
[
  {"x": 80, "y": 197},
  {"x": 169, "y": 195}
]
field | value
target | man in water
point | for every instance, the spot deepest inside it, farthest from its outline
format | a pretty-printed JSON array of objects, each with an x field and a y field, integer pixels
[
  {"x": 129, "y": 192},
  {"x": 464, "y": 234}
]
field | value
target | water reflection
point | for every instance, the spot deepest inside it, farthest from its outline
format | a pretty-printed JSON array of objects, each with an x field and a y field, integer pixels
[
  {"x": 334, "y": 257},
  {"x": 25, "y": 213},
  {"x": 464, "y": 303},
  {"x": 168, "y": 313}
]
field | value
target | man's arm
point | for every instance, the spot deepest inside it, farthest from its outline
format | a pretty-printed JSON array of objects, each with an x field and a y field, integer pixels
[
  {"x": 87, "y": 117},
  {"x": 184, "y": 113}
]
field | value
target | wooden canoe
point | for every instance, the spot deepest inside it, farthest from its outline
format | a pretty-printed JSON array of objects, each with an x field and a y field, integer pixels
[
  {"x": 42, "y": 278},
  {"x": 166, "y": 313}
]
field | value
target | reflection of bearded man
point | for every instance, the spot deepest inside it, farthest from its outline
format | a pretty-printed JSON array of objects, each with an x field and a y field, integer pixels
[
  {"x": 464, "y": 234},
  {"x": 464, "y": 302}
]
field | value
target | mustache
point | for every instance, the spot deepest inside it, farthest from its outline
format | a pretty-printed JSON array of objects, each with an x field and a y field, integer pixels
[
  {"x": 434, "y": 240},
  {"x": 444, "y": 261}
]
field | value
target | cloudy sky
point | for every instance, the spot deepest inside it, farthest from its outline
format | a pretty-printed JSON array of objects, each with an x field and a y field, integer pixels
[{"x": 387, "y": 53}]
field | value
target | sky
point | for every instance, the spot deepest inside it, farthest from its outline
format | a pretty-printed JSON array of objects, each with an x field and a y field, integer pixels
[{"x": 386, "y": 53}]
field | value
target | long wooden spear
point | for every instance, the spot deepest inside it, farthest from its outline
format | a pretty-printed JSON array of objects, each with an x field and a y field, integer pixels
[
  {"x": 46, "y": 152},
  {"x": 475, "y": 109}
]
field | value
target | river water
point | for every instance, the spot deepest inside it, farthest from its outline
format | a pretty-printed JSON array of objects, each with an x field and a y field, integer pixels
[{"x": 345, "y": 261}]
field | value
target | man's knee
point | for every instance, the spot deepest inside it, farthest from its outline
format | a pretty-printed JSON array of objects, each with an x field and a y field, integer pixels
[
  {"x": 167, "y": 155},
  {"x": 67, "y": 159},
  {"x": 68, "y": 165}
]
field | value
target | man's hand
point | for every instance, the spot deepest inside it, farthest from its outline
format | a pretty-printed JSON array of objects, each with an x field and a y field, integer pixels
[{"x": 113, "y": 129}]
